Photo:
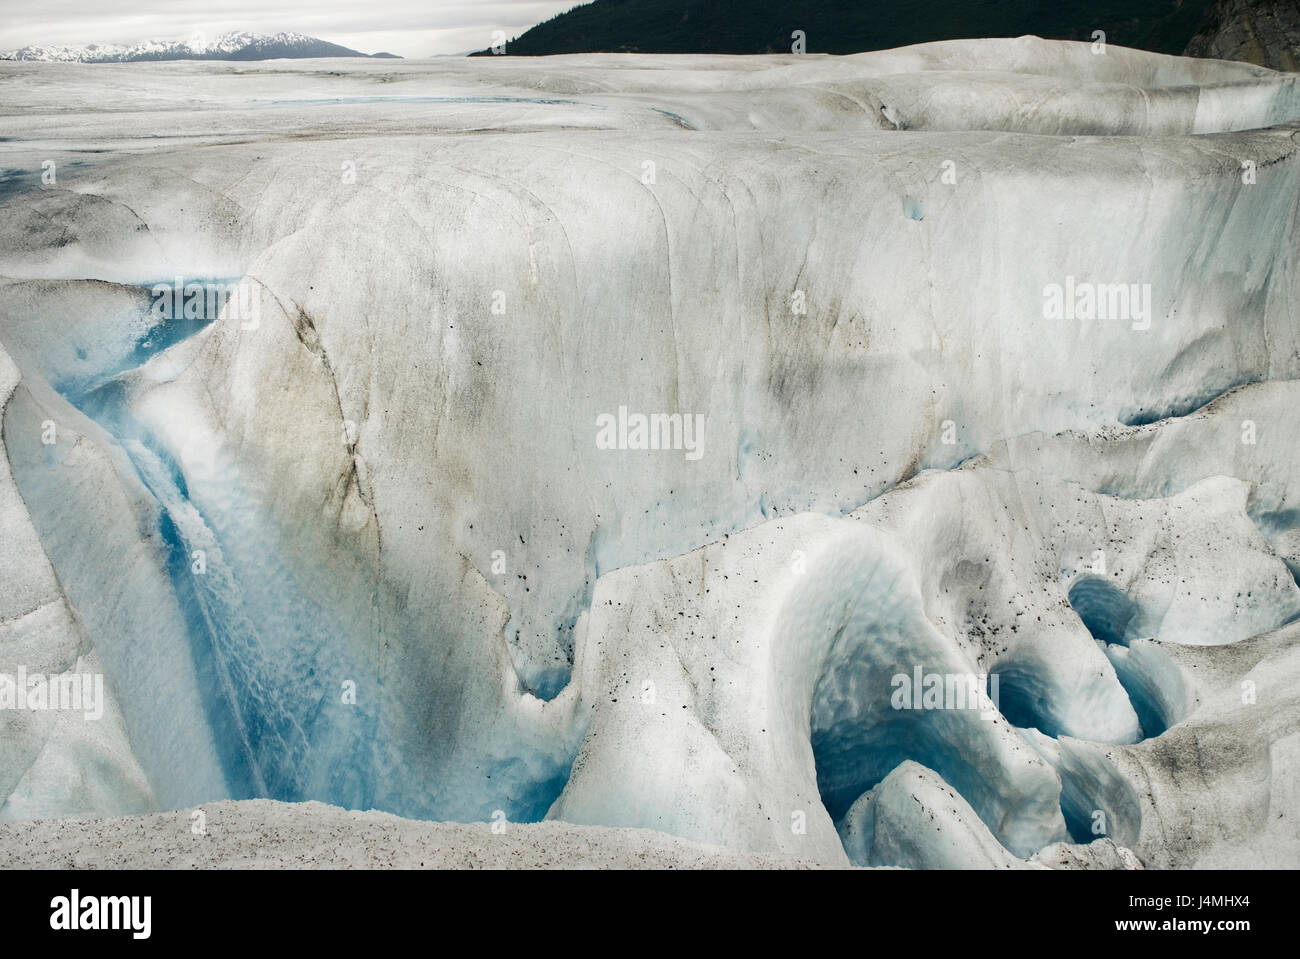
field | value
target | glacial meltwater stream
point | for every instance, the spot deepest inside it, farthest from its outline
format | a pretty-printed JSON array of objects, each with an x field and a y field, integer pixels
[{"x": 271, "y": 666}]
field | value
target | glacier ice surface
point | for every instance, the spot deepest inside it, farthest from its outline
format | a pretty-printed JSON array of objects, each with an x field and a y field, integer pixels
[{"x": 367, "y": 550}]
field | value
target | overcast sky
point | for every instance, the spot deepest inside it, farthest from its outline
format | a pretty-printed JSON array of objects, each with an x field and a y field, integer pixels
[{"x": 409, "y": 28}]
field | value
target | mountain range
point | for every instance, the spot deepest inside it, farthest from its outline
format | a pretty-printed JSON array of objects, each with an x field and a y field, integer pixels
[{"x": 228, "y": 46}]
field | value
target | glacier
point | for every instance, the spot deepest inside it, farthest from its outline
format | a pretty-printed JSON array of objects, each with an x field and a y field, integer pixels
[{"x": 363, "y": 545}]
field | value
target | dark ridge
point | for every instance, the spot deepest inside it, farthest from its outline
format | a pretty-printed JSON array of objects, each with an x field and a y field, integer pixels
[{"x": 850, "y": 26}]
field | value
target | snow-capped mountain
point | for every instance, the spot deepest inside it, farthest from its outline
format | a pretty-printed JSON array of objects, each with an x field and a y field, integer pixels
[{"x": 228, "y": 46}]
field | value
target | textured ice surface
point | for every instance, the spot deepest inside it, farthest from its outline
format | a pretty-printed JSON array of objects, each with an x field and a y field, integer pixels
[
  {"x": 263, "y": 834},
  {"x": 427, "y": 589}
]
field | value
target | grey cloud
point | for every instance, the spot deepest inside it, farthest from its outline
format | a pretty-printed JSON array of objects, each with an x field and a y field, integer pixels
[{"x": 412, "y": 28}]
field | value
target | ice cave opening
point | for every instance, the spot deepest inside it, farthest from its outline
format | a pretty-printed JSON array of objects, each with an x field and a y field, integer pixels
[
  {"x": 1024, "y": 698},
  {"x": 1151, "y": 683},
  {"x": 1103, "y": 607}
]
